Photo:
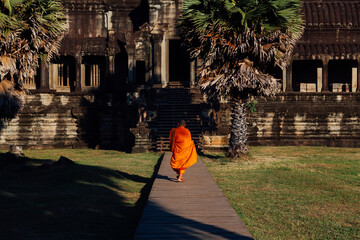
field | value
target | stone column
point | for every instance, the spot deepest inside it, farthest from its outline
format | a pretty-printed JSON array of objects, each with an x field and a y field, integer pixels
[
  {"x": 110, "y": 51},
  {"x": 78, "y": 60},
  {"x": 110, "y": 70},
  {"x": 289, "y": 87},
  {"x": 148, "y": 65},
  {"x": 192, "y": 73},
  {"x": 164, "y": 62},
  {"x": 354, "y": 78},
  {"x": 358, "y": 74},
  {"x": 156, "y": 64},
  {"x": 53, "y": 76},
  {"x": 44, "y": 77},
  {"x": 284, "y": 80},
  {"x": 131, "y": 67},
  {"x": 325, "y": 74},
  {"x": 319, "y": 79}
]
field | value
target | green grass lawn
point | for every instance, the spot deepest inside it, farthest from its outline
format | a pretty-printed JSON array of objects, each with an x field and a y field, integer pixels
[
  {"x": 101, "y": 197},
  {"x": 293, "y": 192}
]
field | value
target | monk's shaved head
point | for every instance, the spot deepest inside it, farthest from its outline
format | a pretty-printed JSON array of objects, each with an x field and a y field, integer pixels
[{"x": 182, "y": 123}]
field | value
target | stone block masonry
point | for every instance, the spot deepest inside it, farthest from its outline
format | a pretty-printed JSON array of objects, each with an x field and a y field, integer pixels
[
  {"x": 327, "y": 119},
  {"x": 54, "y": 120},
  {"x": 47, "y": 121}
]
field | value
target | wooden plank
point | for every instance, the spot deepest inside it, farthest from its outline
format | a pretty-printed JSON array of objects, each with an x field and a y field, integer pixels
[
  {"x": 194, "y": 235},
  {"x": 193, "y": 238},
  {"x": 203, "y": 200},
  {"x": 200, "y": 219},
  {"x": 165, "y": 201},
  {"x": 160, "y": 194},
  {"x": 184, "y": 186},
  {"x": 222, "y": 227},
  {"x": 190, "y": 213},
  {"x": 195, "y": 205}
]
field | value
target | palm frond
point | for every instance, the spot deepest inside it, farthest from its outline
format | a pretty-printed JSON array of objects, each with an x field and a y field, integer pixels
[
  {"x": 237, "y": 41},
  {"x": 11, "y": 4},
  {"x": 28, "y": 32},
  {"x": 228, "y": 34}
]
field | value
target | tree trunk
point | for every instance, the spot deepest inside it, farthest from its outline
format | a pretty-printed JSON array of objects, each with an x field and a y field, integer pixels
[{"x": 238, "y": 135}]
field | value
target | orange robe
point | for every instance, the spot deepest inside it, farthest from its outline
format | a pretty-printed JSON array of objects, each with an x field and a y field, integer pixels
[{"x": 183, "y": 148}]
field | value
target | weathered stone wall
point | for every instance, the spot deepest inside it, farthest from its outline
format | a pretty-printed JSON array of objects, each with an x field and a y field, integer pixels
[
  {"x": 307, "y": 119},
  {"x": 327, "y": 119},
  {"x": 46, "y": 121},
  {"x": 51, "y": 120}
]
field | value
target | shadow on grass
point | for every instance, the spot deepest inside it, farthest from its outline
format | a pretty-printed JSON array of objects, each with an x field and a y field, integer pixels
[
  {"x": 43, "y": 199},
  {"x": 210, "y": 156},
  {"x": 223, "y": 159}
]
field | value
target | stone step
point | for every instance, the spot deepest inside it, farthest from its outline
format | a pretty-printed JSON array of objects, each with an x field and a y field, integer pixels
[
  {"x": 179, "y": 103},
  {"x": 193, "y": 130}
]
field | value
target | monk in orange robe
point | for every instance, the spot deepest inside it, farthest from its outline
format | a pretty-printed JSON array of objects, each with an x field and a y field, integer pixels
[{"x": 183, "y": 148}]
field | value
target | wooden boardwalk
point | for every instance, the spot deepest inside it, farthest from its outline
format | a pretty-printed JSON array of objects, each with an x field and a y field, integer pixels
[{"x": 194, "y": 209}]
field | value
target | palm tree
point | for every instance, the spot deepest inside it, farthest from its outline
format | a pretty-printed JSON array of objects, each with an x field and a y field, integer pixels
[
  {"x": 237, "y": 41},
  {"x": 30, "y": 30}
]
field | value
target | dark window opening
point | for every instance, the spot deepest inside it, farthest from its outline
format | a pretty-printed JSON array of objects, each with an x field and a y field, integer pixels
[
  {"x": 275, "y": 71},
  {"x": 304, "y": 75},
  {"x": 340, "y": 75},
  {"x": 179, "y": 62},
  {"x": 140, "y": 72},
  {"x": 94, "y": 70},
  {"x": 121, "y": 70}
]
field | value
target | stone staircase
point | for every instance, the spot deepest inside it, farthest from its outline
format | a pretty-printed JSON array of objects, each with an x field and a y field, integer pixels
[{"x": 182, "y": 102}]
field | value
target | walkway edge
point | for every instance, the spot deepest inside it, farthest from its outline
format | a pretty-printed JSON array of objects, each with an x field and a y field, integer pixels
[{"x": 195, "y": 209}]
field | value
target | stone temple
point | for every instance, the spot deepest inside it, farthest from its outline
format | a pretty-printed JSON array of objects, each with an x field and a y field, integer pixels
[{"x": 122, "y": 81}]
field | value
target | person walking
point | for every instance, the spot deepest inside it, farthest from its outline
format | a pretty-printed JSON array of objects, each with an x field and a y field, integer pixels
[{"x": 183, "y": 149}]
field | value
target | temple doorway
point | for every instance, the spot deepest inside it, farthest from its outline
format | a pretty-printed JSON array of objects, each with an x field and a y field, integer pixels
[
  {"x": 179, "y": 63},
  {"x": 305, "y": 75},
  {"x": 340, "y": 75}
]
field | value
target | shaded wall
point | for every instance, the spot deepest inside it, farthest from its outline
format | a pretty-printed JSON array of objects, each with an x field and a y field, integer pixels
[
  {"x": 46, "y": 121},
  {"x": 51, "y": 120}
]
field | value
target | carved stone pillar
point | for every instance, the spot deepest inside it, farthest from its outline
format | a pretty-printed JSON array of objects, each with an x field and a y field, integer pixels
[
  {"x": 78, "y": 60},
  {"x": 289, "y": 87},
  {"x": 110, "y": 71},
  {"x": 283, "y": 88},
  {"x": 157, "y": 39},
  {"x": 325, "y": 74},
  {"x": 142, "y": 138},
  {"x": 164, "y": 62},
  {"x": 319, "y": 79},
  {"x": 358, "y": 74},
  {"x": 44, "y": 77},
  {"x": 131, "y": 66},
  {"x": 192, "y": 73}
]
